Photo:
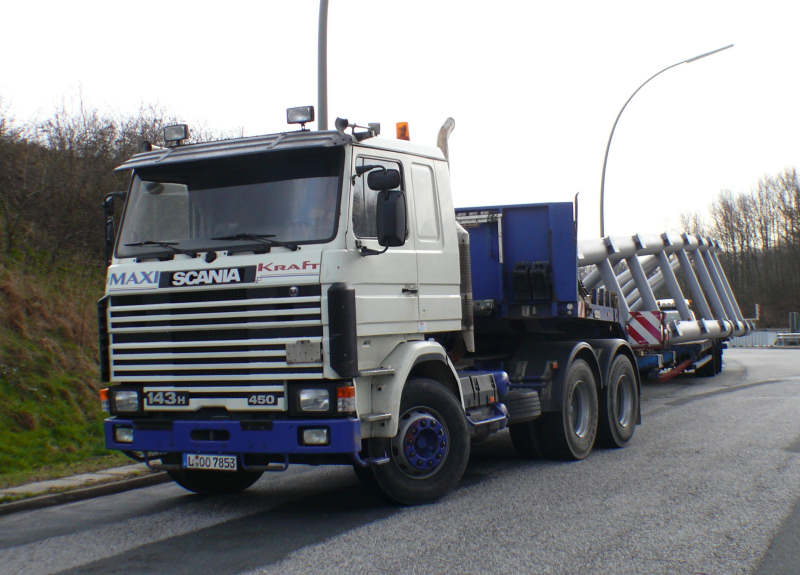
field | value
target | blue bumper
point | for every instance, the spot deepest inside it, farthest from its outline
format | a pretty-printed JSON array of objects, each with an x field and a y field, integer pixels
[{"x": 278, "y": 437}]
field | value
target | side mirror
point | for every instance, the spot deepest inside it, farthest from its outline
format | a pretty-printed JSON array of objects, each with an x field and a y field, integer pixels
[
  {"x": 108, "y": 212},
  {"x": 383, "y": 179},
  {"x": 391, "y": 216}
]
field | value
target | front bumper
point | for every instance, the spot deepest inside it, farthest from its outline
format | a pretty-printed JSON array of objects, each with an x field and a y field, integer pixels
[{"x": 269, "y": 437}]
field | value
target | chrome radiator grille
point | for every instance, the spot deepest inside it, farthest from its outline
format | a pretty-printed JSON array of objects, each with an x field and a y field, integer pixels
[{"x": 212, "y": 336}]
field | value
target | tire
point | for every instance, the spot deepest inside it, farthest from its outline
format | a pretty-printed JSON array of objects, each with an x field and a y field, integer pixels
[
  {"x": 430, "y": 452},
  {"x": 214, "y": 482},
  {"x": 525, "y": 439},
  {"x": 714, "y": 366},
  {"x": 619, "y": 405},
  {"x": 718, "y": 358},
  {"x": 571, "y": 433}
]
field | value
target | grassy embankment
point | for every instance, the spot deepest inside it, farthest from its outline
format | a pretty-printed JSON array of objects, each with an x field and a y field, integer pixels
[{"x": 50, "y": 416}]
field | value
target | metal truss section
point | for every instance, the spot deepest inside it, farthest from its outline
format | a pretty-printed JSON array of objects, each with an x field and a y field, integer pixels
[{"x": 638, "y": 267}]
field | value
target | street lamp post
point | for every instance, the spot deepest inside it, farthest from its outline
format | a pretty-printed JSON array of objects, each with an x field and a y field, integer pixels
[
  {"x": 322, "y": 66},
  {"x": 611, "y": 135}
]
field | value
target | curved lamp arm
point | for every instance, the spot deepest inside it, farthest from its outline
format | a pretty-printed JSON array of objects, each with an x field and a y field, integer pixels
[{"x": 625, "y": 105}]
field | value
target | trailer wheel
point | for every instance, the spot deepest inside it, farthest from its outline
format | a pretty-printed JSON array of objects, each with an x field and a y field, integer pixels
[
  {"x": 214, "y": 482},
  {"x": 571, "y": 433},
  {"x": 619, "y": 404},
  {"x": 430, "y": 452},
  {"x": 714, "y": 366},
  {"x": 525, "y": 439}
]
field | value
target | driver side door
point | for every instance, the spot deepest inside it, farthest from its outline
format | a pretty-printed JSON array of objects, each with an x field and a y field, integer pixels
[{"x": 387, "y": 299}]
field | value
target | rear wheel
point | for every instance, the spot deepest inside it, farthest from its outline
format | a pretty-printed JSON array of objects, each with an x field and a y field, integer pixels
[
  {"x": 212, "y": 482},
  {"x": 714, "y": 365},
  {"x": 571, "y": 433},
  {"x": 619, "y": 404},
  {"x": 430, "y": 452},
  {"x": 717, "y": 357}
]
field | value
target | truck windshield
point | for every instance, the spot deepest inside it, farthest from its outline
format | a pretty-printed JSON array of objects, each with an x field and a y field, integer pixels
[{"x": 290, "y": 196}]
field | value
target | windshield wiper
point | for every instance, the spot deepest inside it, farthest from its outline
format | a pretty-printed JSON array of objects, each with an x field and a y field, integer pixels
[
  {"x": 171, "y": 246},
  {"x": 263, "y": 239}
]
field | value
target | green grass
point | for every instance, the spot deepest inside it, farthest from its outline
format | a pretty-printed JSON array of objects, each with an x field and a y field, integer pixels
[
  {"x": 50, "y": 416},
  {"x": 46, "y": 419}
]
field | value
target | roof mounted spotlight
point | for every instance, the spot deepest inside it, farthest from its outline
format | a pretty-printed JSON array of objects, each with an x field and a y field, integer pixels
[
  {"x": 175, "y": 134},
  {"x": 372, "y": 129},
  {"x": 300, "y": 115}
]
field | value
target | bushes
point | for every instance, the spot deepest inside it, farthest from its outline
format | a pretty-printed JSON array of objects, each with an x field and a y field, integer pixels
[{"x": 54, "y": 175}]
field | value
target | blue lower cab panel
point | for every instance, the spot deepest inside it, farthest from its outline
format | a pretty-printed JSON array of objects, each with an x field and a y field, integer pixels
[{"x": 282, "y": 437}]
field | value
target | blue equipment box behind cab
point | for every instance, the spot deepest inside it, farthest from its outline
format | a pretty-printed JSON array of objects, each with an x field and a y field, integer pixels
[{"x": 533, "y": 270}]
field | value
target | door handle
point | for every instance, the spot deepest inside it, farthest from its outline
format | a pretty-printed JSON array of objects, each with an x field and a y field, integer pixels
[{"x": 410, "y": 290}]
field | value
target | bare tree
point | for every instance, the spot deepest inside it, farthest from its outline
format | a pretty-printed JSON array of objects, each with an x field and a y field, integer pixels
[{"x": 760, "y": 235}]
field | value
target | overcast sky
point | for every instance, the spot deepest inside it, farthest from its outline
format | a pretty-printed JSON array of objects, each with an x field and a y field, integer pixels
[{"x": 534, "y": 86}]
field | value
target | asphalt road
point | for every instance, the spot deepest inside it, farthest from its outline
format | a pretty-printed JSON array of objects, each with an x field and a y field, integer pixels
[{"x": 710, "y": 484}]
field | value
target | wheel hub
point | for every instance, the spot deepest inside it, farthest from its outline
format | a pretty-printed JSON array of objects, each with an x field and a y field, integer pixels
[
  {"x": 624, "y": 402},
  {"x": 578, "y": 410},
  {"x": 421, "y": 444}
]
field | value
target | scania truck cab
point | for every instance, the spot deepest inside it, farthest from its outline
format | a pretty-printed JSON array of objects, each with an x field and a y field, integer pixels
[{"x": 305, "y": 297}]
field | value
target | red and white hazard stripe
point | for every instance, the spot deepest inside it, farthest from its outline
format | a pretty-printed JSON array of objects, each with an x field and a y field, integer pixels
[{"x": 645, "y": 328}]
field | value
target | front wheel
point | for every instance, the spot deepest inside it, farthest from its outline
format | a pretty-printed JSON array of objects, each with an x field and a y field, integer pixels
[
  {"x": 430, "y": 452},
  {"x": 214, "y": 482}
]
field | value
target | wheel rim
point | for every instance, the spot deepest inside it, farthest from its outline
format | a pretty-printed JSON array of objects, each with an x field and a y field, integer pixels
[
  {"x": 579, "y": 412},
  {"x": 421, "y": 444},
  {"x": 623, "y": 403}
]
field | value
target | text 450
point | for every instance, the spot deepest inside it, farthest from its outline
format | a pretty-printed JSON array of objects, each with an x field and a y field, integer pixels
[{"x": 262, "y": 399}]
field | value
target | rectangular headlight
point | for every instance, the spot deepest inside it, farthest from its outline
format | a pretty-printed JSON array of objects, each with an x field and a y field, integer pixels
[
  {"x": 126, "y": 401},
  {"x": 123, "y": 434},
  {"x": 300, "y": 115},
  {"x": 315, "y": 436},
  {"x": 314, "y": 399}
]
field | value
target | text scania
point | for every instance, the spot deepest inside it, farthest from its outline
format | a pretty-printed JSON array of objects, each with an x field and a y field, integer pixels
[
  {"x": 272, "y": 267},
  {"x": 133, "y": 280},
  {"x": 206, "y": 277}
]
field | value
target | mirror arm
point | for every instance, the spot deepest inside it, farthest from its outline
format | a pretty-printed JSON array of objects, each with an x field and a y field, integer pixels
[
  {"x": 370, "y": 252},
  {"x": 108, "y": 212},
  {"x": 365, "y": 251},
  {"x": 361, "y": 170}
]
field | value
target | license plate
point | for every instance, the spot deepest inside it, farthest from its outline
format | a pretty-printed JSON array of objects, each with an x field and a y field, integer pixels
[{"x": 212, "y": 462}]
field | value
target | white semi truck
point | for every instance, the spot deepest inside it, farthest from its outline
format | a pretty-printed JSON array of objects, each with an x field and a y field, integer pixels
[{"x": 314, "y": 297}]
